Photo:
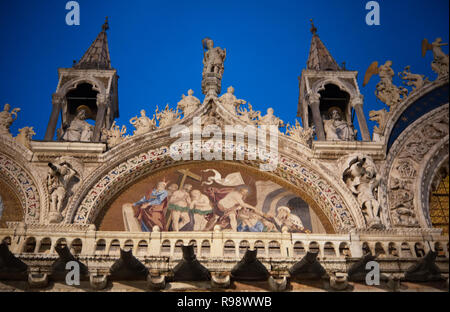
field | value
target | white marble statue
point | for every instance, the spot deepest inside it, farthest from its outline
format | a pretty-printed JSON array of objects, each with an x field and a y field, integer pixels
[
  {"x": 143, "y": 124},
  {"x": 213, "y": 59},
  {"x": 167, "y": 117},
  {"x": 229, "y": 100},
  {"x": 270, "y": 119},
  {"x": 24, "y": 137},
  {"x": 7, "y": 117},
  {"x": 361, "y": 178},
  {"x": 59, "y": 179},
  {"x": 189, "y": 103},
  {"x": 337, "y": 129},
  {"x": 79, "y": 130}
]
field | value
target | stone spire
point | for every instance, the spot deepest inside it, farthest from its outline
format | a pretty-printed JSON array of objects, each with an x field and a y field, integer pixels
[
  {"x": 97, "y": 56},
  {"x": 319, "y": 57}
]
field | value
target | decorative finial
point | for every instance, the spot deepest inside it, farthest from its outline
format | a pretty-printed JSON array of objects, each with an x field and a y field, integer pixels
[
  {"x": 313, "y": 28},
  {"x": 105, "y": 26}
]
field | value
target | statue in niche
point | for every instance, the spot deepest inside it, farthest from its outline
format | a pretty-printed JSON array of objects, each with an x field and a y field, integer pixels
[
  {"x": 213, "y": 59},
  {"x": 337, "y": 129},
  {"x": 79, "y": 130},
  {"x": 230, "y": 101},
  {"x": 60, "y": 180},
  {"x": 189, "y": 103},
  {"x": 7, "y": 118},
  {"x": 143, "y": 124},
  {"x": 361, "y": 178},
  {"x": 440, "y": 62}
]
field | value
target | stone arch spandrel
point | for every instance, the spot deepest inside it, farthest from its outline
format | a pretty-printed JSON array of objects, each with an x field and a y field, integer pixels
[
  {"x": 419, "y": 102},
  {"x": 26, "y": 188},
  {"x": 410, "y": 164}
]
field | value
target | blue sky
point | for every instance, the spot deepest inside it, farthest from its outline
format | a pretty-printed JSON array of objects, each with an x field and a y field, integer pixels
[{"x": 156, "y": 48}]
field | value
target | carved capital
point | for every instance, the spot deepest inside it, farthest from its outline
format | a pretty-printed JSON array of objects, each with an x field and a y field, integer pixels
[
  {"x": 57, "y": 98},
  {"x": 313, "y": 99},
  {"x": 102, "y": 99},
  {"x": 357, "y": 101}
]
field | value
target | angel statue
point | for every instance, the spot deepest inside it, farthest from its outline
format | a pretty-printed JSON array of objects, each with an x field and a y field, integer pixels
[
  {"x": 440, "y": 62},
  {"x": 386, "y": 91},
  {"x": 213, "y": 58}
]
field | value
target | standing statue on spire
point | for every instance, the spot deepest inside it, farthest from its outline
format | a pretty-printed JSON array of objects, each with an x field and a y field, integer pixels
[{"x": 213, "y": 58}]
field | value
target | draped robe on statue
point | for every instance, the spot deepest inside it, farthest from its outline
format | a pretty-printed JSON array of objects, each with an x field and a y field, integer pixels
[{"x": 152, "y": 210}]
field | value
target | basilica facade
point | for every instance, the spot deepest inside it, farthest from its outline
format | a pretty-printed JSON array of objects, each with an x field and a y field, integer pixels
[{"x": 216, "y": 195}]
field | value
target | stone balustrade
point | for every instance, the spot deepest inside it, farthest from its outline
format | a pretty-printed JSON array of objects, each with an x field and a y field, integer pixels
[{"x": 226, "y": 245}]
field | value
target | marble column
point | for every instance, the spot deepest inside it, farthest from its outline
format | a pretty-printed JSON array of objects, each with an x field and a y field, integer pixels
[
  {"x": 357, "y": 104},
  {"x": 57, "y": 100},
  {"x": 102, "y": 102},
  {"x": 314, "y": 102}
]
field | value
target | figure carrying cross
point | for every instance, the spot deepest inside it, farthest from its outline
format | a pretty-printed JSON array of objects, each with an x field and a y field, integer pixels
[{"x": 179, "y": 202}]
